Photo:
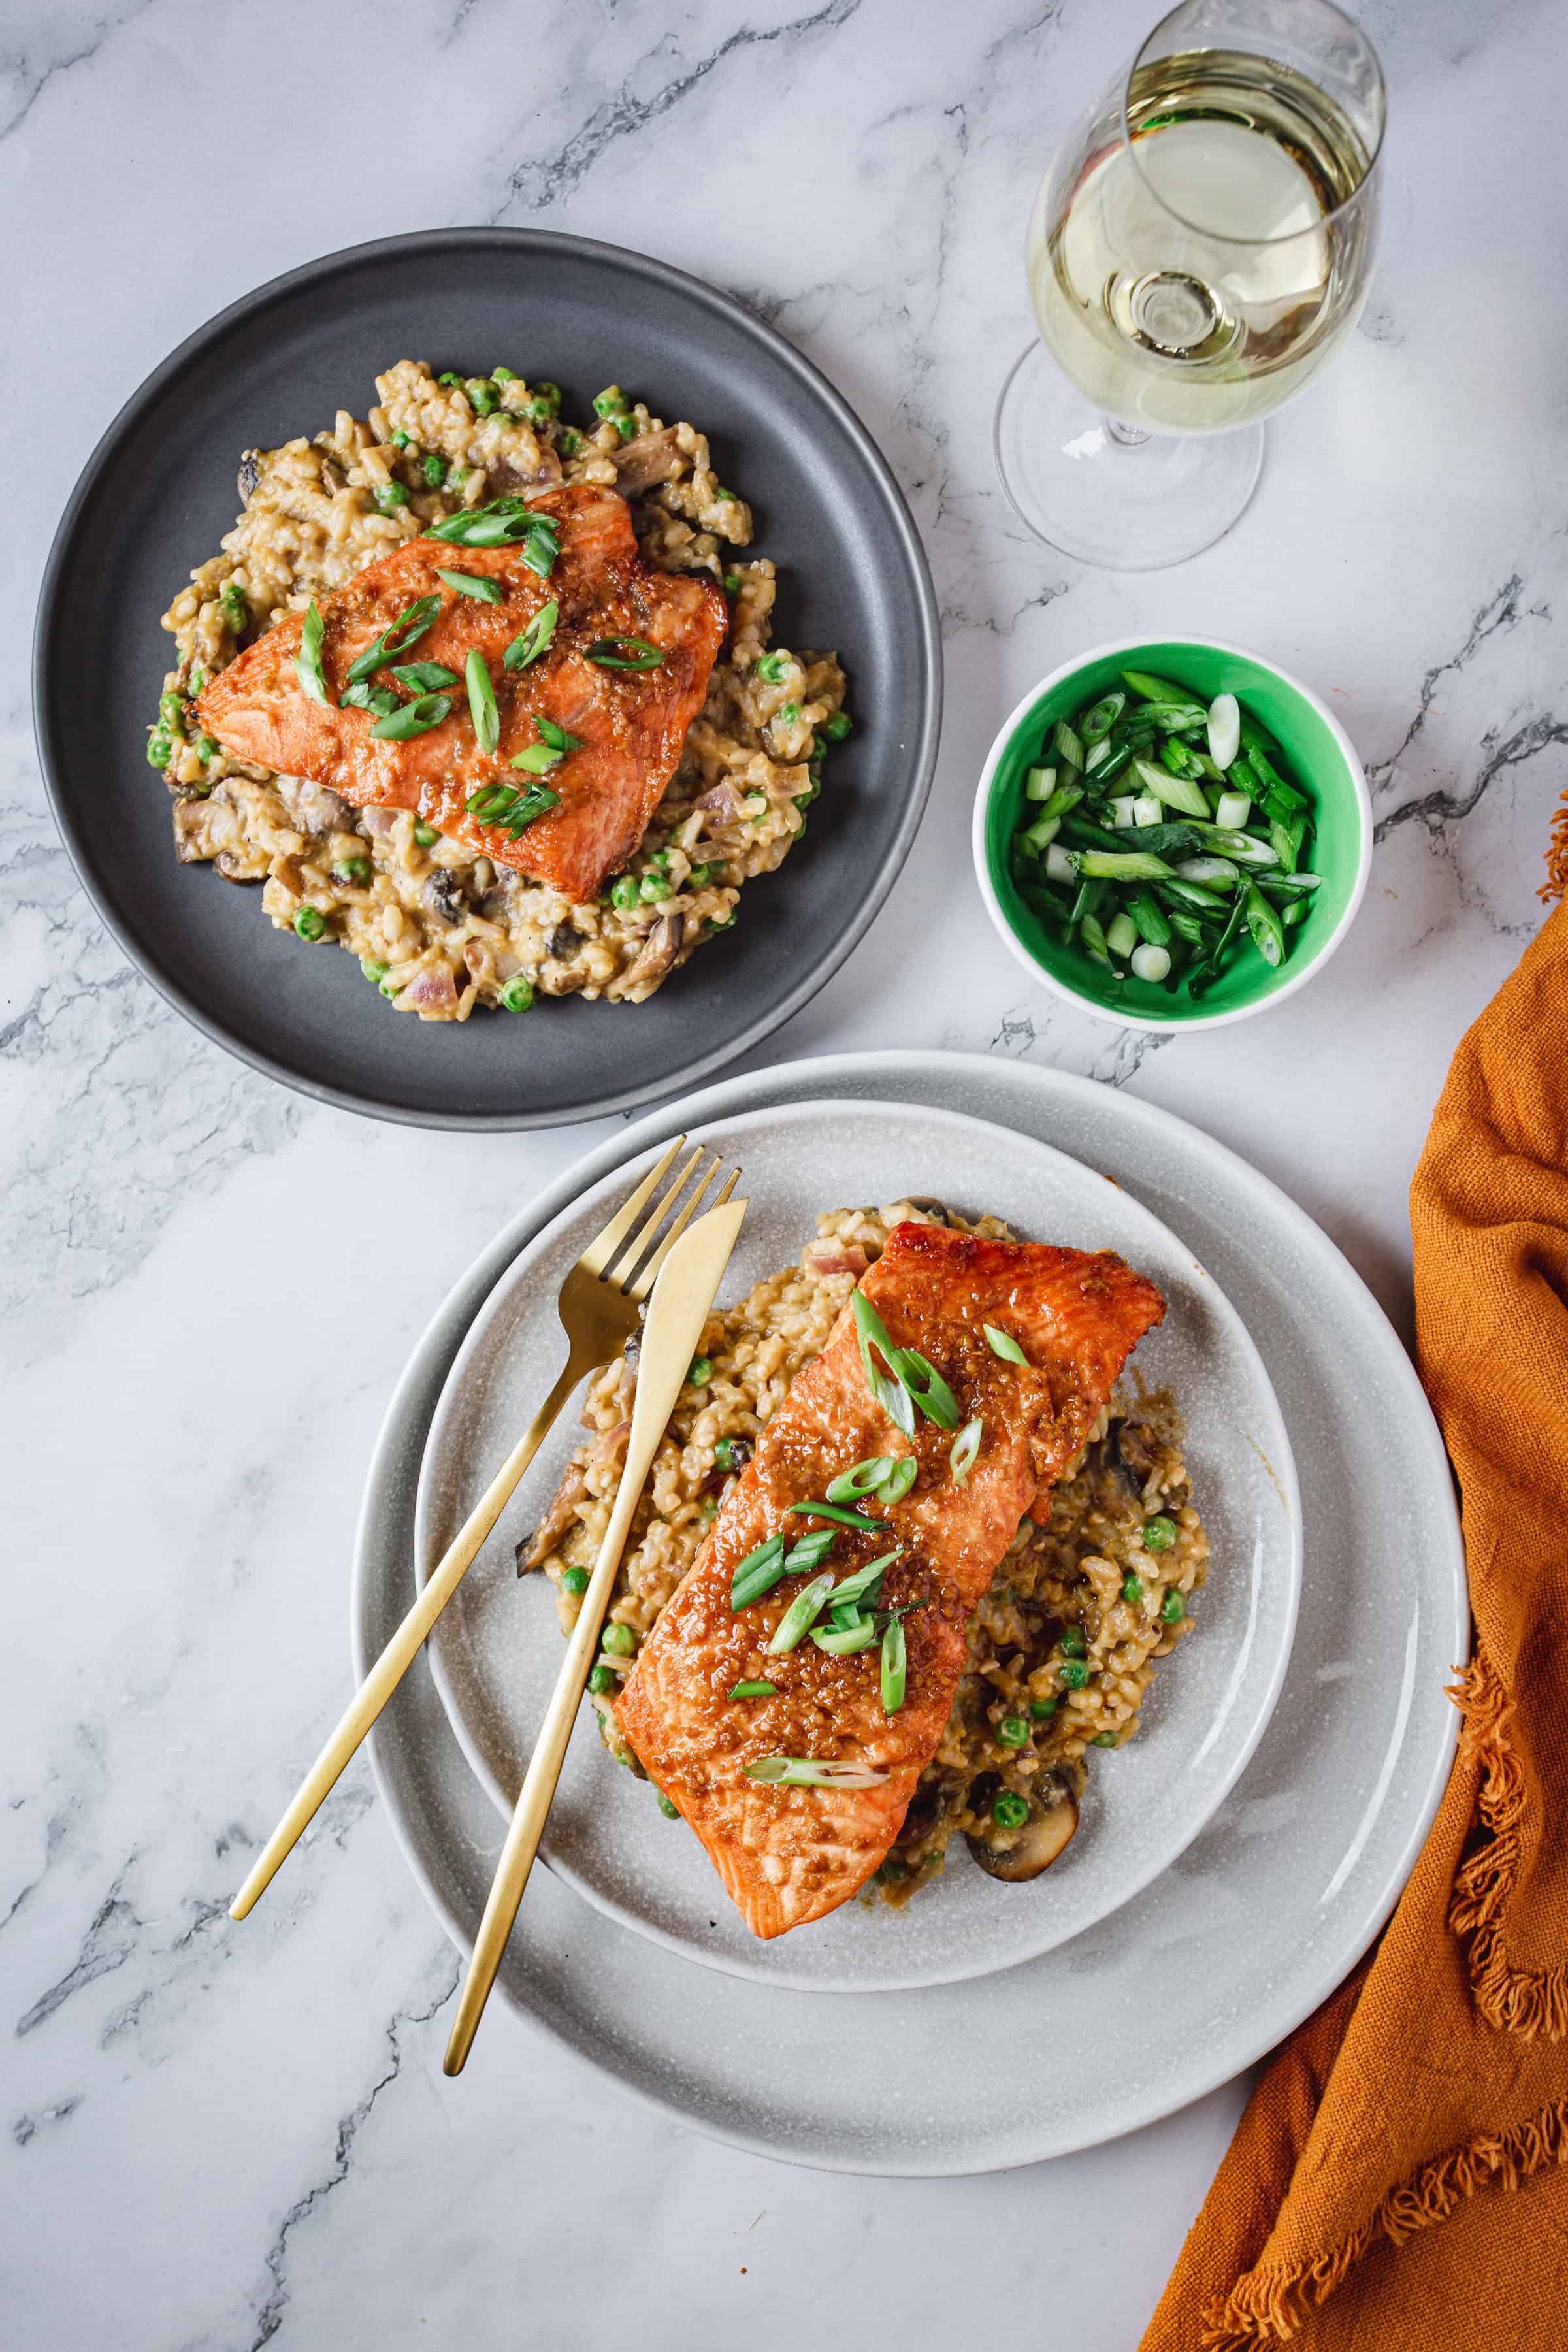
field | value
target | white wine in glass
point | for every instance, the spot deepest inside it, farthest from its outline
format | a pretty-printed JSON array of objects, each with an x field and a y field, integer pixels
[{"x": 1195, "y": 254}]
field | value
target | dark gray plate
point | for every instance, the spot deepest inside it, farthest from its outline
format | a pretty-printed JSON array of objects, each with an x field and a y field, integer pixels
[{"x": 159, "y": 493}]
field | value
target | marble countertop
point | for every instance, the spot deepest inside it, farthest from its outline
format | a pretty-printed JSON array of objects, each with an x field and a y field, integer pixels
[{"x": 219, "y": 2139}]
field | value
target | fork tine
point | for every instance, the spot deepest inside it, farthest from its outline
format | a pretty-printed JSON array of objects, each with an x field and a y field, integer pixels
[
  {"x": 645, "y": 1280},
  {"x": 658, "y": 1244},
  {"x": 626, "y": 1254},
  {"x": 606, "y": 1244}
]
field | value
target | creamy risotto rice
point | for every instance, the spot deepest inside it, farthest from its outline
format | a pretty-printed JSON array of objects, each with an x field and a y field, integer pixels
[
  {"x": 437, "y": 926},
  {"x": 1061, "y": 1649}
]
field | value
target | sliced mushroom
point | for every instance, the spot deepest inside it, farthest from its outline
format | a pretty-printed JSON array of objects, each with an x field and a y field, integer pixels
[
  {"x": 562, "y": 943},
  {"x": 556, "y": 1522},
  {"x": 664, "y": 944},
  {"x": 249, "y": 473},
  {"x": 1039, "y": 1842},
  {"x": 443, "y": 894},
  {"x": 315, "y": 808},
  {"x": 651, "y": 457}
]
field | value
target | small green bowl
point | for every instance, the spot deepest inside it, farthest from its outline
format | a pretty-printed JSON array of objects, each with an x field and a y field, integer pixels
[{"x": 1323, "y": 760}]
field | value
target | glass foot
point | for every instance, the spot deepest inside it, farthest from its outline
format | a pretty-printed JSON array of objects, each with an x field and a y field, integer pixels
[{"x": 1096, "y": 491}]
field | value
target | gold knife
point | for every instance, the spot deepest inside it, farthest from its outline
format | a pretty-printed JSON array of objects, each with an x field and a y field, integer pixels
[{"x": 683, "y": 1295}]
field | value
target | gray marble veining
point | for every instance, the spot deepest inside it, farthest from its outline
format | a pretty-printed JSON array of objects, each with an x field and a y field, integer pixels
[{"x": 223, "y": 2140}]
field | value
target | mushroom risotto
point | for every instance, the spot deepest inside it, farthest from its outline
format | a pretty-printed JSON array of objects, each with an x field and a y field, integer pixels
[
  {"x": 436, "y": 926},
  {"x": 1061, "y": 1649}
]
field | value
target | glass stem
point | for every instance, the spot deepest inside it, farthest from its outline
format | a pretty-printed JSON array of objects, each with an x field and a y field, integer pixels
[{"x": 1126, "y": 436}]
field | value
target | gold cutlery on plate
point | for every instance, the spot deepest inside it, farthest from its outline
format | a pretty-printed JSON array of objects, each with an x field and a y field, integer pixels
[
  {"x": 599, "y": 1306},
  {"x": 687, "y": 1285}
]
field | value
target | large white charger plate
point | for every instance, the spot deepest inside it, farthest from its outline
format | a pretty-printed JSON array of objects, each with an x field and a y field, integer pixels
[
  {"x": 1224, "y": 1953},
  {"x": 496, "y": 1651}
]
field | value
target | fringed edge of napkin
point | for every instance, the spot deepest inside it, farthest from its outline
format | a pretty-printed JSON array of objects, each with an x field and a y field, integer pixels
[
  {"x": 1525, "y": 2001},
  {"x": 1556, "y": 883},
  {"x": 1268, "y": 2307}
]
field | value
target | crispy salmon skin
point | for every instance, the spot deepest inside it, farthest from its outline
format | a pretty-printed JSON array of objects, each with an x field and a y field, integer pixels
[
  {"x": 789, "y": 1854},
  {"x": 630, "y": 723}
]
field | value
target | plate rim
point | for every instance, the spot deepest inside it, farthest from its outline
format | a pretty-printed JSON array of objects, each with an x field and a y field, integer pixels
[
  {"x": 1190, "y": 1828},
  {"x": 926, "y": 1065},
  {"x": 917, "y": 767}
]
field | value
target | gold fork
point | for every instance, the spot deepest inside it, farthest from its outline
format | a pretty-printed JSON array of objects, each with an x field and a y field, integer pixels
[{"x": 598, "y": 1305}]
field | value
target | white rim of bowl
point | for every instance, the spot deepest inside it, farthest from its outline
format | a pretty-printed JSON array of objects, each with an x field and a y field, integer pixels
[{"x": 1064, "y": 989}]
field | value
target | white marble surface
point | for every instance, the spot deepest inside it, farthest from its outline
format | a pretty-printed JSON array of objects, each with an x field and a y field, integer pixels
[{"x": 219, "y": 2137}]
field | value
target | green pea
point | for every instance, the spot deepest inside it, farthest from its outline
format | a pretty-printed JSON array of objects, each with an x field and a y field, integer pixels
[
  {"x": 727, "y": 497},
  {"x": 207, "y": 746},
  {"x": 1074, "y": 1673},
  {"x": 1103, "y": 1739},
  {"x": 660, "y": 861},
  {"x": 1042, "y": 1707},
  {"x": 172, "y": 709},
  {"x": 517, "y": 996},
  {"x": 352, "y": 869},
  {"x": 620, "y": 1640},
  {"x": 611, "y": 402},
  {"x": 708, "y": 1508},
  {"x": 160, "y": 750},
  {"x": 1133, "y": 1590},
  {"x": 550, "y": 393},
  {"x": 449, "y": 376},
  {"x": 574, "y": 1579},
  {"x": 426, "y": 835},
  {"x": 724, "y": 922},
  {"x": 390, "y": 497},
  {"x": 236, "y": 611},
  {"x": 603, "y": 1679},
  {"x": 701, "y": 1372},
  {"x": 724, "y": 1451},
  {"x": 435, "y": 470},
  {"x": 387, "y": 987},
  {"x": 771, "y": 668},
  {"x": 539, "y": 411},
  {"x": 481, "y": 395},
  {"x": 197, "y": 680},
  {"x": 837, "y": 727},
  {"x": 1159, "y": 1534},
  {"x": 698, "y": 877},
  {"x": 624, "y": 890},
  {"x": 1072, "y": 1643},
  {"x": 1008, "y": 1811},
  {"x": 1173, "y": 1609},
  {"x": 652, "y": 888},
  {"x": 671, "y": 1811},
  {"x": 309, "y": 924},
  {"x": 788, "y": 714},
  {"x": 374, "y": 970},
  {"x": 1013, "y": 1731},
  {"x": 628, "y": 427},
  {"x": 731, "y": 583},
  {"x": 400, "y": 439},
  {"x": 571, "y": 441}
]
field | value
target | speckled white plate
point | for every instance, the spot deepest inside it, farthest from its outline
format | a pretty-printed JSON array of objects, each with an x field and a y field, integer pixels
[
  {"x": 496, "y": 1651},
  {"x": 1222, "y": 1954}
]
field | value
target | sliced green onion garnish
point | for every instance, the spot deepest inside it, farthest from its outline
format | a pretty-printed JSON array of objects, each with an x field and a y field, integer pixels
[
  {"x": 801, "y": 1615},
  {"x": 1224, "y": 730},
  {"x": 529, "y": 643},
  {"x": 895, "y": 1666},
  {"x": 1003, "y": 1344},
  {"x": 864, "y": 1479},
  {"x": 556, "y": 737},
  {"x": 307, "y": 661},
  {"x": 758, "y": 1572},
  {"x": 756, "y": 1690},
  {"x": 810, "y": 1551},
  {"x": 927, "y": 1387},
  {"x": 886, "y": 1387},
  {"x": 476, "y": 584},
  {"x": 625, "y": 653},
  {"x": 899, "y": 1479},
  {"x": 860, "y": 1590},
  {"x": 406, "y": 632},
  {"x": 965, "y": 1448},
  {"x": 379, "y": 700},
  {"x": 482, "y": 701},
  {"x": 1176, "y": 792},
  {"x": 1122, "y": 865},
  {"x": 413, "y": 719},
  {"x": 1263, "y": 921},
  {"x": 423, "y": 678},
  {"x": 511, "y": 809},
  {"x": 805, "y": 1772},
  {"x": 847, "y": 1639},
  {"x": 845, "y": 1518}
]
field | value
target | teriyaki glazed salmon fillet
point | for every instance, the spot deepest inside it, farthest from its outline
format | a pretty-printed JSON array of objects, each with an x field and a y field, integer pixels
[
  {"x": 799, "y": 1679},
  {"x": 534, "y": 684}
]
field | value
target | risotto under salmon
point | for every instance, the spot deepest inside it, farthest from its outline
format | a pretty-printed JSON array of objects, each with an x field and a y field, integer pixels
[
  {"x": 1061, "y": 1649},
  {"x": 438, "y": 926}
]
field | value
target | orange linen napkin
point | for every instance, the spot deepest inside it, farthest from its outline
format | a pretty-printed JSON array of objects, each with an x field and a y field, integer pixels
[{"x": 1432, "y": 2089}]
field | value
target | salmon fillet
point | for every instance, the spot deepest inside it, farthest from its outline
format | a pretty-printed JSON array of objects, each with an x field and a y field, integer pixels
[
  {"x": 632, "y": 723},
  {"x": 788, "y": 1854}
]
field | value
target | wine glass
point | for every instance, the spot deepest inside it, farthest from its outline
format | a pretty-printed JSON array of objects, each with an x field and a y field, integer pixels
[{"x": 1196, "y": 252}]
